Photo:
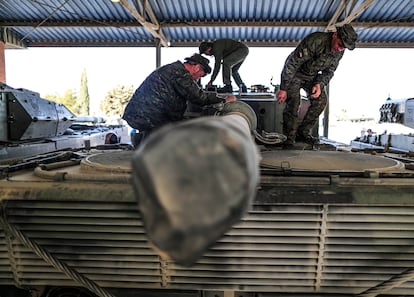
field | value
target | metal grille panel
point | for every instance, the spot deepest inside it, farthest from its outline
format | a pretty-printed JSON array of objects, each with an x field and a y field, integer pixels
[{"x": 306, "y": 248}]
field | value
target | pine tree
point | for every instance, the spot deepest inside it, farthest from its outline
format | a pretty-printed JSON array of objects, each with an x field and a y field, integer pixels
[
  {"x": 68, "y": 99},
  {"x": 83, "y": 99},
  {"x": 116, "y": 100}
]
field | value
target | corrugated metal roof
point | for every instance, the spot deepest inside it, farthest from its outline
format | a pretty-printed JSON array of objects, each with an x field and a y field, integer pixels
[{"x": 380, "y": 23}]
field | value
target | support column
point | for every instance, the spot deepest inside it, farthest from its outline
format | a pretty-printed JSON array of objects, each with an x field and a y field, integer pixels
[
  {"x": 2, "y": 63},
  {"x": 157, "y": 53},
  {"x": 12, "y": 40},
  {"x": 326, "y": 115}
]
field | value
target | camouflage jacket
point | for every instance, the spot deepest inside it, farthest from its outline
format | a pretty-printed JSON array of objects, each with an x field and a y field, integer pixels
[
  {"x": 162, "y": 98},
  {"x": 312, "y": 60},
  {"x": 221, "y": 49}
]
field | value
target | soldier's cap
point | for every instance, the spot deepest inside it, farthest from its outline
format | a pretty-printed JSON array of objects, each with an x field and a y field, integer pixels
[
  {"x": 348, "y": 36},
  {"x": 199, "y": 59}
]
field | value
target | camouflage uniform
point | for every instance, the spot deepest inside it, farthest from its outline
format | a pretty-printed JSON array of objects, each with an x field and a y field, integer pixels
[
  {"x": 310, "y": 63},
  {"x": 162, "y": 98}
]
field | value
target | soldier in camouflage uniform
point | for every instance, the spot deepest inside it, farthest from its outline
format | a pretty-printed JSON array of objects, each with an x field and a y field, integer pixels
[
  {"x": 162, "y": 97},
  {"x": 310, "y": 67}
]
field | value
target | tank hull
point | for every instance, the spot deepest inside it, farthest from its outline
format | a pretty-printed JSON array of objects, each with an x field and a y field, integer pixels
[{"x": 308, "y": 232}]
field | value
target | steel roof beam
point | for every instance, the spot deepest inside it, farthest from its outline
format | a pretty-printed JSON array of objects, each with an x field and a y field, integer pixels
[
  {"x": 349, "y": 14},
  {"x": 336, "y": 15},
  {"x": 153, "y": 26},
  {"x": 238, "y": 23},
  {"x": 10, "y": 38},
  {"x": 356, "y": 12},
  {"x": 263, "y": 43}
]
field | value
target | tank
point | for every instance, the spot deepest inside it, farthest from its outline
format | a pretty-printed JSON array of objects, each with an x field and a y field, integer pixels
[
  {"x": 321, "y": 221},
  {"x": 398, "y": 111},
  {"x": 31, "y": 125},
  {"x": 393, "y": 113}
]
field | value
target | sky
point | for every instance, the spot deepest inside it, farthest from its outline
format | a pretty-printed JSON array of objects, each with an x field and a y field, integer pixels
[{"x": 364, "y": 79}]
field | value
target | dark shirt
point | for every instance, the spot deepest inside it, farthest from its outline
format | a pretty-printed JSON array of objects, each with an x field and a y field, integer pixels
[
  {"x": 312, "y": 60},
  {"x": 162, "y": 98}
]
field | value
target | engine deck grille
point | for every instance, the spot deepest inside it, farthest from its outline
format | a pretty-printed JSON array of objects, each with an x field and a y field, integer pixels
[{"x": 288, "y": 248}]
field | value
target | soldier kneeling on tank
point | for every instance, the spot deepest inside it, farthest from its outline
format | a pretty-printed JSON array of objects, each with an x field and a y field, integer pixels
[{"x": 162, "y": 97}]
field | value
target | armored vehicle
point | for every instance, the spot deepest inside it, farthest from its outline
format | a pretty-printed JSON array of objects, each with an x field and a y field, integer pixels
[{"x": 114, "y": 221}]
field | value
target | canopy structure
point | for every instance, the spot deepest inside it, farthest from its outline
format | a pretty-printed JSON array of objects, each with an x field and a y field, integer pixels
[
  {"x": 65, "y": 23},
  {"x": 172, "y": 23}
]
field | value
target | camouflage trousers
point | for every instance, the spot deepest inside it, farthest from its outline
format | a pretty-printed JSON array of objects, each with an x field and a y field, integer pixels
[{"x": 291, "y": 125}]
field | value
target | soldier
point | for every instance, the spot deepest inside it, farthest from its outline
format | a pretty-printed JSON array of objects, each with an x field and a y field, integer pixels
[
  {"x": 232, "y": 54},
  {"x": 310, "y": 67},
  {"x": 162, "y": 97}
]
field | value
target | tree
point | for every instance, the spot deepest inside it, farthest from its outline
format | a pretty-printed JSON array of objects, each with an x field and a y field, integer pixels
[
  {"x": 83, "y": 100},
  {"x": 68, "y": 99},
  {"x": 115, "y": 101}
]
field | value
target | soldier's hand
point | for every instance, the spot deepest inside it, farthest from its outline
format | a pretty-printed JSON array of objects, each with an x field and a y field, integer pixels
[
  {"x": 316, "y": 91},
  {"x": 231, "y": 98},
  {"x": 209, "y": 84},
  {"x": 281, "y": 96}
]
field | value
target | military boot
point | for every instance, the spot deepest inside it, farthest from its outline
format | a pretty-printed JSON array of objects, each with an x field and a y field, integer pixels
[
  {"x": 309, "y": 139},
  {"x": 225, "y": 89}
]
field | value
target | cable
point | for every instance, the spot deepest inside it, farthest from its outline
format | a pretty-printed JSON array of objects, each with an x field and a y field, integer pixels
[
  {"x": 77, "y": 15},
  {"x": 43, "y": 21},
  {"x": 55, "y": 262},
  {"x": 387, "y": 285}
]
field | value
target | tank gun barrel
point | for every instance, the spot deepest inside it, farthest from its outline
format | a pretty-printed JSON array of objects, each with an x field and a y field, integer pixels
[
  {"x": 195, "y": 179},
  {"x": 89, "y": 119}
]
